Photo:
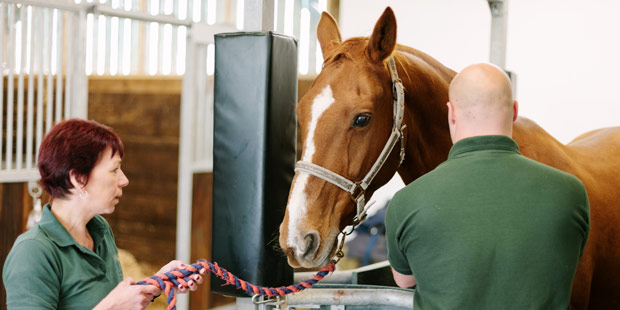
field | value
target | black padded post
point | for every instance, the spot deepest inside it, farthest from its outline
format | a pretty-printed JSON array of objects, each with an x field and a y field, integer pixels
[{"x": 253, "y": 154}]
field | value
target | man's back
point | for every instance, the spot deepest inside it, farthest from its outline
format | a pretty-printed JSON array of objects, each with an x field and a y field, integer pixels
[{"x": 489, "y": 229}]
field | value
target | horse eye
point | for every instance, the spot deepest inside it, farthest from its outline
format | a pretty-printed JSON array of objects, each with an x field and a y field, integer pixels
[{"x": 361, "y": 120}]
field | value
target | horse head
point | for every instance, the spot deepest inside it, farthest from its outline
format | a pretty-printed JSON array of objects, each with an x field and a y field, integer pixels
[{"x": 345, "y": 120}]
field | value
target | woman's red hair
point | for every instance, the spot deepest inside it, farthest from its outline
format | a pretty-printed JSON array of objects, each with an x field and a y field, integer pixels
[{"x": 73, "y": 145}]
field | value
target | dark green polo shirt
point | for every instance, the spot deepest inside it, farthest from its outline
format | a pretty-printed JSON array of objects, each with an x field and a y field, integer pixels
[
  {"x": 489, "y": 229},
  {"x": 48, "y": 269}
]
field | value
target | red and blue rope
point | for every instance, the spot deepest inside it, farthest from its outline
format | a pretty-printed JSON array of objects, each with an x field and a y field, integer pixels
[{"x": 169, "y": 280}]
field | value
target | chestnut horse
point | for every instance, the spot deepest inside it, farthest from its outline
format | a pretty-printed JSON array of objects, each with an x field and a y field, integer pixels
[{"x": 345, "y": 120}]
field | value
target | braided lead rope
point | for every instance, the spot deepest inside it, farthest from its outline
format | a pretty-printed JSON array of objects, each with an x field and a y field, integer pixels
[{"x": 167, "y": 281}]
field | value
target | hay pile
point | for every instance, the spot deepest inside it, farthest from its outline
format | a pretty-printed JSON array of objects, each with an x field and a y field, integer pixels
[{"x": 138, "y": 271}]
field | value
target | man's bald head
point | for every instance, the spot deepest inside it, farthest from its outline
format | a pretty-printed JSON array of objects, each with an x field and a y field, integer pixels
[{"x": 481, "y": 102}]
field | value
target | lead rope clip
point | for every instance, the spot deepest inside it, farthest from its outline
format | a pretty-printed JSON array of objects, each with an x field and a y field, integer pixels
[{"x": 272, "y": 301}]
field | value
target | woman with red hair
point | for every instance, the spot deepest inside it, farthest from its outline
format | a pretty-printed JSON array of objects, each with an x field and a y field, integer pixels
[{"x": 70, "y": 260}]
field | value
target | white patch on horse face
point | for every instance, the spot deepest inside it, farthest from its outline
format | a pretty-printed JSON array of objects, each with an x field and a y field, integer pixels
[{"x": 297, "y": 205}]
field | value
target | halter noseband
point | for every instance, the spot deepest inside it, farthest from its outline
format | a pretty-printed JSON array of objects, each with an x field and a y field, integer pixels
[{"x": 357, "y": 190}]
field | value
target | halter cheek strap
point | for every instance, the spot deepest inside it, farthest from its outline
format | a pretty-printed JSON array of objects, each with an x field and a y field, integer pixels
[{"x": 357, "y": 190}]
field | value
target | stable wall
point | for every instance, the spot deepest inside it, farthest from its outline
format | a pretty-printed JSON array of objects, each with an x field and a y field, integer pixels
[{"x": 144, "y": 112}]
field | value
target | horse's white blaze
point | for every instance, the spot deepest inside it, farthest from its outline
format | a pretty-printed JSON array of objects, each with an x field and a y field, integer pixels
[{"x": 297, "y": 205}]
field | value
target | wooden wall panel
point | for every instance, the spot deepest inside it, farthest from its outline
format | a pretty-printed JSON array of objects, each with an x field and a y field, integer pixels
[
  {"x": 14, "y": 208},
  {"x": 144, "y": 112}
]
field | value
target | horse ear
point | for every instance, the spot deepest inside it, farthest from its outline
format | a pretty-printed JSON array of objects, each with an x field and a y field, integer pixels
[
  {"x": 327, "y": 33},
  {"x": 383, "y": 39}
]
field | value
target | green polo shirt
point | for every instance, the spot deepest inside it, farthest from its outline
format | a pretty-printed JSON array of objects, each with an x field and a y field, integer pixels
[
  {"x": 489, "y": 229},
  {"x": 48, "y": 269}
]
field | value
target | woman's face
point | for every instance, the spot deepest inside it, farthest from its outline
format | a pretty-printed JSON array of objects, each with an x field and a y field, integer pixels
[{"x": 106, "y": 182}]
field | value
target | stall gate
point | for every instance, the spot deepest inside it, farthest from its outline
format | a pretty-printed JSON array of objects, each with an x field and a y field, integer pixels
[{"x": 45, "y": 79}]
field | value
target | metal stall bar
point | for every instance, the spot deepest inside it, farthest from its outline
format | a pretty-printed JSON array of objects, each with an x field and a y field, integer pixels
[
  {"x": 137, "y": 15},
  {"x": 35, "y": 33},
  {"x": 48, "y": 68},
  {"x": 79, "y": 79},
  {"x": 199, "y": 34},
  {"x": 68, "y": 61},
  {"x": 20, "y": 89},
  {"x": 30, "y": 108},
  {"x": 58, "y": 63},
  {"x": 10, "y": 89},
  {"x": 499, "y": 34},
  {"x": 41, "y": 45},
  {"x": 354, "y": 297},
  {"x": 2, "y": 8},
  {"x": 499, "y": 29}
]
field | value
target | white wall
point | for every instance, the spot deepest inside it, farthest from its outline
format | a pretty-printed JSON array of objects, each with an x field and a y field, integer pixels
[{"x": 566, "y": 53}]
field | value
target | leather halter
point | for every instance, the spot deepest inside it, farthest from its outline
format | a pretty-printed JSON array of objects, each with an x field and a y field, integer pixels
[{"x": 357, "y": 190}]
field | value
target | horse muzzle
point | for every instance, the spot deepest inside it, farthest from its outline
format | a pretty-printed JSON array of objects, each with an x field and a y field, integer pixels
[{"x": 309, "y": 251}]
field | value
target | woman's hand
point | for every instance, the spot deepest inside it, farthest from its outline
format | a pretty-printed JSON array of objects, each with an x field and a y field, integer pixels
[
  {"x": 181, "y": 289},
  {"x": 128, "y": 295}
]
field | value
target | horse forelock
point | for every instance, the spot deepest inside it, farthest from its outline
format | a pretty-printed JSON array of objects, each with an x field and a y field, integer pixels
[{"x": 351, "y": 49}]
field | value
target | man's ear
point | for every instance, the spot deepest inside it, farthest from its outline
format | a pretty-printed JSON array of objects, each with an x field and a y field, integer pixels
[
  {"x": 451, "y": 118},
  {"x": 515, "y": 110}
]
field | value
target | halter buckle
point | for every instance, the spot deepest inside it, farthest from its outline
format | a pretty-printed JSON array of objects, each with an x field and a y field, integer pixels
[
  {"x": 395, "y": 86},
  {"x": 358, "y": 192}
]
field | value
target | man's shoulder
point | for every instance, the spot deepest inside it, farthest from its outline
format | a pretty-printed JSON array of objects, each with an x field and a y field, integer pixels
[
  {"x": 553, "y": 174},
  {"x": 421, "y": 189}
]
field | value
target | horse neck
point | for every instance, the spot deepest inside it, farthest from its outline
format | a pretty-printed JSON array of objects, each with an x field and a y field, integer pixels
[
  {"x": 426, "y": 83},
  {"x": 537, "y": 144}
]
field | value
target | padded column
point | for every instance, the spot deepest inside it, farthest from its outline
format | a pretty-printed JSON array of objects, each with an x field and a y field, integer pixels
[{"x": 253, "y": 154}]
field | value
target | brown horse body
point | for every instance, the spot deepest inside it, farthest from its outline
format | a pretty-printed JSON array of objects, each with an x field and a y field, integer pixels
[{"x": 358, "y": 81}]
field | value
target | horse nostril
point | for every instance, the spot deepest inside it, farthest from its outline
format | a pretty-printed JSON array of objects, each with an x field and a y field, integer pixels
[{"x": 312, "y": 244}]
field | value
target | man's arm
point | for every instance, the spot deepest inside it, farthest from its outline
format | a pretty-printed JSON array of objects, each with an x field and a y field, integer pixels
[{"x": 403, "y": 280}]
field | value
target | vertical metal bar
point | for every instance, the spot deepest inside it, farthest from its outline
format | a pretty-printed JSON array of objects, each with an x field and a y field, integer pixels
[
  {"x": 41, "y": 46},
  {"x": 69, "y": 53},
  {"x": 199, "y": 85},
  {"x": 3, "y": 7},
  {"x": 79, "y": 85},
  {"x": 209, "y": 89},
  {"x": 108, "y": 45},
  {"x": 173, "y": 39},
  {"x": 31, "y": 73},
  {"x": 20, "y": 91},
  {"x": 258, "y": 15},
  {"x": 160, "y": 46},
  {"x": 184, "y": 197},
  {"x": 95, "y": 39},
  {"x": 11, "y": 87},
  {"x": 48, "y": 68},
  {"x": 312, "y": 43},
  {"x": 137, "y": 40},
  {"x": 499, "y": 28},
  {"x": 59, "y": 67},
  {"x": 280, "y": 16},
  {"x": 296, "y": 18}
]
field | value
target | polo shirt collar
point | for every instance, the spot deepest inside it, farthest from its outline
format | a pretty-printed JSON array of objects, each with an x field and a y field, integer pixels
[
  {"x": 59, "y": 234},
  {"x": 480, "y": 143}
]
